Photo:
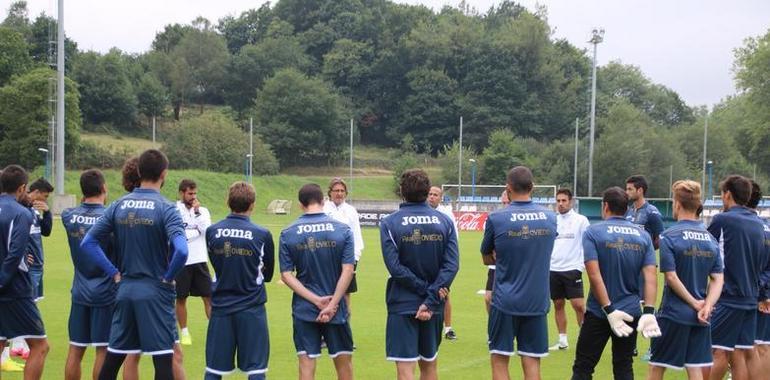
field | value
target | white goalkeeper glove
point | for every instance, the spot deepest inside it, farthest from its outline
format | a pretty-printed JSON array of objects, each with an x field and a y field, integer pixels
[
  {"x": 617, "y": 320},
  {"x": 648, "y": 324}
]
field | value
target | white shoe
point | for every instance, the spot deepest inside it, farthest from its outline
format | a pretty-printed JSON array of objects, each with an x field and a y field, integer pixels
[{"x": 558, "y": 347}]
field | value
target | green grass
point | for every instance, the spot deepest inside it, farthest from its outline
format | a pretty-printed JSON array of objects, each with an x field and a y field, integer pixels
[
  {"x": 119, "y": 143},
  {"x": 465, "y": 358},
  {"x": 212, "y": 188}
]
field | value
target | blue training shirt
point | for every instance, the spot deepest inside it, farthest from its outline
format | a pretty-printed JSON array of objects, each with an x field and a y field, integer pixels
[
  {"x": 647, "y": 216},
  {"x": 688, "y": 249},
  {"x": 15, "y": 224},
  {"x": 143, "y": 224},
  {"x": 243, "y": 255},
  {"x": 89, "y": 286},
  {"x": 622, "y": 249},
  {"x": 419, "y": 246},
  {"x": 741, "y": 237},
  {"x": 42, "y": 224},
  {"x": 764, "y": 277},
  {"x": 315, "y": 246},
  {"x": 522, "y": 236}
]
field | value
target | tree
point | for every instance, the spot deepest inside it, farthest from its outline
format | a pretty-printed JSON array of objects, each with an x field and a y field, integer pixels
[
  {"x": 301, "y": 118},
  {"x": 214, "y": 142},
  {"x": 503, "y": 152},
  {"x": 199, "y": 64},
  {"x": 752, "y": 76},
  {"x": 430, "y": 111},
  {"x": 14, "y": 54},
  {"x": 18, "y": 18},
  {"x": 249, "y": 28},
  {"x": 25, "y": 117},
  {"x": 151, "y": 96},
  {"x": 170, "y": 37},
  {"x": 106, "y": 92},
  {"x": 248, "y": 70},
  {"x": 42, "y": 51}
]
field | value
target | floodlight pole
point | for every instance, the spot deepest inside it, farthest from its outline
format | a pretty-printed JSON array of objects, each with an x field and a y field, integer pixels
[
  {"x": 60, "y": 101},
  {"x": 460, "y": 166},
  {"x": 575, "y": 170},
  {"x": 350, "y": 183},
  {"x": 251, "y": 148},
  {"x": 597, "y": 36},
  {"x": 705, "y": 149}
]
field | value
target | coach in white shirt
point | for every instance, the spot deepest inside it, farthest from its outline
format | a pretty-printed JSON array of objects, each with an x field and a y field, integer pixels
[
  {"x": 195, "y": 278},
  {"x": 434, "y": 200},
  {"x": 567, "y": 265},
  {"x": 337, "y": 208}
]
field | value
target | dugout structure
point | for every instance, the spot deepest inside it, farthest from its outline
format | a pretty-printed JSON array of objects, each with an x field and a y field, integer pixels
[
  {"x": 487, "y": 197},
  {"x": 279, "y": 207}
]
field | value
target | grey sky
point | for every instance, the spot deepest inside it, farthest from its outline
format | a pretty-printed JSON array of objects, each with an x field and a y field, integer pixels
[{"x": 686, "y": 45}]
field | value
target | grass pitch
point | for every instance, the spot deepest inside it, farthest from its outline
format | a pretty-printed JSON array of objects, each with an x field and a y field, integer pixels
[{"x": 465, "y": 358}]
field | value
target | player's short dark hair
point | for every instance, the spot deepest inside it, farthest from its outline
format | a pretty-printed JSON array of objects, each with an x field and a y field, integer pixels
[
  {"x": 152, "y": 163},
  {"x": 241, "y": 196},
  {"x": 310, "y": 194},
  {"x": 639, "y": 182},
  {"x": 616, "y": 199},
  {"x": 520, "y": 179},
  {"x": 687, "y": 193},
  {"x": 41, "y": 185},
  {"x": 739, "y": 187},
  {"x": 91, "y": 183},
  {"x": 13, "y": 177},
  {"x": 565, "y": 191},
  {"x": 187, "y": 184},
  {"x": 414, "y": 185},
  {"x": 756, "y": 195},
  {"x": 130, "y": 174}
]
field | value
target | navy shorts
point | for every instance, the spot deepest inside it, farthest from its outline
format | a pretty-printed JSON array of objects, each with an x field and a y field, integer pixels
[
  {"x": 307, "y": 338},
  {"x": 144, "y": 319},
  {"x": 20, "y": 318},
  {"x": 408, "y": 339},
  {"x": 90, "y": 325},
  {"x": 242, "y": 335},
  {"x": 763, "y": 329},
  {"x": 529, "y": 332},
  {"x": 733, "y": 328},
  {"x": 36, "y": 277},
  {"x": 681, "y": 346}
]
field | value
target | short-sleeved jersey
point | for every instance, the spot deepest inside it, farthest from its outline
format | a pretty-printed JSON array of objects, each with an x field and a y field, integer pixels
[
  {"x": 741, "y": 237},
  {"x": 647, "y": 216},
  {"x": 42, "y": 224},
  {"x": 315, "y": 246},
  {"x": 622, "y": 249},
  {"x": 419, "y": 247},
  {"x": 522, "y": 237},
  {"x": 143, "y": 224},
  {"x": 88, "y": 289},
  {"x": 689, "y": 250},
  {"x": 243, "y": 255},
  {"x": 15, "y": 224}
]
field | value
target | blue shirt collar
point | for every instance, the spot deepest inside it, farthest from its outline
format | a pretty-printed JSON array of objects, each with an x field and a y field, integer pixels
[
  {"x": 235, "y": 216},
  {"x": 413, "y": 204},
  {"x": 145, "y": 191}
]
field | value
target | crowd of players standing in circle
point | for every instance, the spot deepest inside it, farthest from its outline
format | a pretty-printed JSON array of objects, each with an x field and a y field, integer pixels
[{"x": 137, "y": 261}]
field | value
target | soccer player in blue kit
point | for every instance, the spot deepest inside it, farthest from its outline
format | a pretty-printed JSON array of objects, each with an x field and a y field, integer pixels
[
  {"x": 145, "y": 227},
  {"x": 760, "y": 363},
  {"x": 519, "y": 240},
  {"x": 689, "y": 258},
  {"x": 93, "y": 297},
  {"x": 615, "y": 252},
  {"x": 419, "y": 247},
  {"x": 20, "y": 317},
  {"x": 242, "y": 254},
  {"x": 741, "y": 238},
  {"x": 642, "y": 212},
  {"x": 319, "y": 250}
]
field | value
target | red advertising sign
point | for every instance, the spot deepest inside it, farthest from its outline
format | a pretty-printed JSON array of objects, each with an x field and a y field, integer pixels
[{"x": 471, "y": 221}]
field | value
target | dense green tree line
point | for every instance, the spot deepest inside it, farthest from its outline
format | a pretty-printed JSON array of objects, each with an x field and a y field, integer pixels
[{"x": 302, "y": 68}]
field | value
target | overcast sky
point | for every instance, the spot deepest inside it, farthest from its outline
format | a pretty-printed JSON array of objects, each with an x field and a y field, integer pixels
[{"x": 686, "y": 45}]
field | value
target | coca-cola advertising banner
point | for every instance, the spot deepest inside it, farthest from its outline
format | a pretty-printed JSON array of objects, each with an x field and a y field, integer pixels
[{"x": 471, "y": 221}]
